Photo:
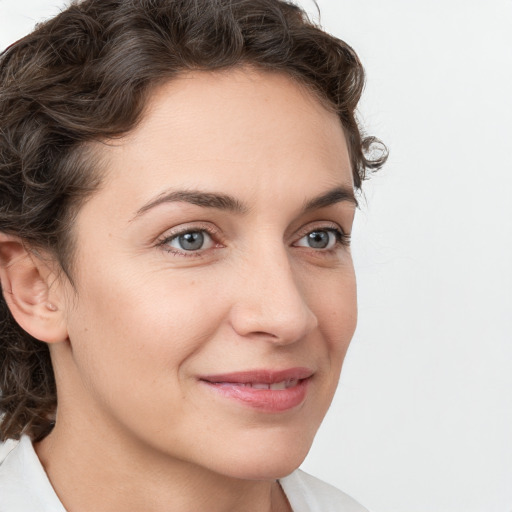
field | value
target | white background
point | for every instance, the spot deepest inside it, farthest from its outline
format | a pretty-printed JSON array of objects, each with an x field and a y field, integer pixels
[{"x": 423, "y": 418}]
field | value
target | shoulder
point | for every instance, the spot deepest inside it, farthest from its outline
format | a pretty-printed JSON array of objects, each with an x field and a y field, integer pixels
[
  {"x": 309, "y": 494},
  {"x": 24, "y": 486}
]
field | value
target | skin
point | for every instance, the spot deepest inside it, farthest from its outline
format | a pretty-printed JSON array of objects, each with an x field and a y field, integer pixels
[{"x": 136, "y": 429}]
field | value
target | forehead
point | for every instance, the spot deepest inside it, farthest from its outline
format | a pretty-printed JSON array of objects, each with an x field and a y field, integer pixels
[{"x": 237, "y": 129}]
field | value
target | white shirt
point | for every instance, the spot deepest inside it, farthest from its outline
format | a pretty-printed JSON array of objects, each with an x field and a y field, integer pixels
[{"x": 24, "y": 486}]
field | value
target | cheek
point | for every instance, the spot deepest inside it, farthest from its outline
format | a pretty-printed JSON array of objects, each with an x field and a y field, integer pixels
[
  {"x": 338, "y": 324},
  {"x": 145, "y": 326},
  {"x": 334, "y": 301},
  {"x": 134, "y": 343}
]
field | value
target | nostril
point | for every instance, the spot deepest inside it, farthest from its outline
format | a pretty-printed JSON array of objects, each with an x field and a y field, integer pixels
[{"x": 263, "y": 333}]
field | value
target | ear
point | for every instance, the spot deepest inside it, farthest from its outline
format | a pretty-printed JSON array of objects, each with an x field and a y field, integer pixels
[{"x": 32, "y": 291}]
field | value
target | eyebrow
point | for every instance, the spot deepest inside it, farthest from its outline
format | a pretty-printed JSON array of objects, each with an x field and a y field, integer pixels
[
  {"x": 333, "y": 196},
  {"x": 230, "y": 203},
  {"x": 204, "y": 199}
]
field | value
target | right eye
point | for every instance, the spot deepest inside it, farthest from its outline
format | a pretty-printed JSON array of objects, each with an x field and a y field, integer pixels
[{"x": 189, "y": 241}]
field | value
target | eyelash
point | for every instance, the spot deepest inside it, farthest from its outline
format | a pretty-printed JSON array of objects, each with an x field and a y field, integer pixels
[
  {"x": 164, "y": 242},
  {"x": 342, "y": 240}
]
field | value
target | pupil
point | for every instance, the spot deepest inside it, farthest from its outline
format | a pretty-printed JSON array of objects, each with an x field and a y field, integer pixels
[
  {"x": 318, "y": 239},
  {"x": 191, "y": 241}
]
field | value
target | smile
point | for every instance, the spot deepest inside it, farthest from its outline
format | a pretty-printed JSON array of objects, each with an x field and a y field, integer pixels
[
  {"x": 263, "y": 390},
  {"x": 285, "y": 384}
]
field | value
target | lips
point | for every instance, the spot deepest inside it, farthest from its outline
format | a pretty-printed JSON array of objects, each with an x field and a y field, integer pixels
[{"x": 264, "y": 390}]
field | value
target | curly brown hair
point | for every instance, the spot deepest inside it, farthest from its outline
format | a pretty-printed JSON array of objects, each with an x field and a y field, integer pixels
[{"x": 86, "y": 75}]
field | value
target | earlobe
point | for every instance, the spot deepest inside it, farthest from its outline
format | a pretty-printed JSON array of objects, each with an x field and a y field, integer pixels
[{"x": 27, "y": 286}]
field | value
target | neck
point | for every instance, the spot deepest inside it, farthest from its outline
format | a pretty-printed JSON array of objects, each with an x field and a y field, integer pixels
[{"x": 106, "y": 472}]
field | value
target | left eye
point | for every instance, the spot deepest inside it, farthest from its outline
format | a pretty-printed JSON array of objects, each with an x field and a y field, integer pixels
[
  {"x": 190, "y": 241},
  {"x": 319, "y": 239}
]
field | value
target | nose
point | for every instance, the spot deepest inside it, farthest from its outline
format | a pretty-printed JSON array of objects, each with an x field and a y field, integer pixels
[{"x": 270, "y": 303}]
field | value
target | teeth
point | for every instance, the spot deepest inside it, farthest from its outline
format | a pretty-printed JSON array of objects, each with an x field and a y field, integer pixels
[
  {"x": 257, "y": 385},
  {"x": 276, "y": 386}
]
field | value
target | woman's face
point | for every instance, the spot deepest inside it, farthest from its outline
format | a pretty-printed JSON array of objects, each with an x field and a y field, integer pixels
[{"x": 215, "y": 291}]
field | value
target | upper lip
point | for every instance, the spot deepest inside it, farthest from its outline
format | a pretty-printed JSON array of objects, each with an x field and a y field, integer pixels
[{"x": 262, "y": 376}]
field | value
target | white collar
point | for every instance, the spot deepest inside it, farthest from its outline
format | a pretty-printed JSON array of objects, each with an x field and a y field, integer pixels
[{"x": 24, "y": 485}]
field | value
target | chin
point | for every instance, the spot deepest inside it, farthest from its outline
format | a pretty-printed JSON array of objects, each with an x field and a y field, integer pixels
[{"x": 266, "y": 461}]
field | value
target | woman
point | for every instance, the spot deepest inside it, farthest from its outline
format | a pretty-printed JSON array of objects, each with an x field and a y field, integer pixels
[{"x": 177, "y": 194}]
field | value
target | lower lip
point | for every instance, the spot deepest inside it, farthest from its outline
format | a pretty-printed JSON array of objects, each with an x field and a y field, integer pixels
[{"x": 264, "y": 400}]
